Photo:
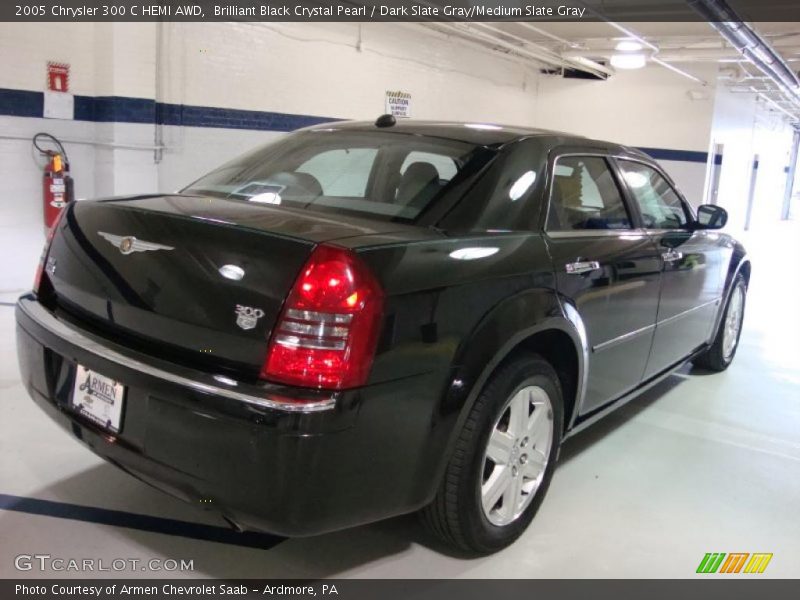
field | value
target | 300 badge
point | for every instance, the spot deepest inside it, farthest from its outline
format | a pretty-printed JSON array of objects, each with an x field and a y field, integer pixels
[{"x": 247, "y": 316}]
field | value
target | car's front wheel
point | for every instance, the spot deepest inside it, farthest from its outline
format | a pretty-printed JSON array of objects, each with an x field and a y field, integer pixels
[
  {"x": 720, "y": 353},
  {"x": 503, "y": 459}
]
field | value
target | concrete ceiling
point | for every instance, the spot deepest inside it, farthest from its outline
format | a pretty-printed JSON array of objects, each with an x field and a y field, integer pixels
[
  {"x": 588, "y": 46},
  {"x": 674, "y": 37}
]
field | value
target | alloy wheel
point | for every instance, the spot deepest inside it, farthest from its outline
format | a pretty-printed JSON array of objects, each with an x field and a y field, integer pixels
[
  {"x": 516, "y": 455},
  {"x": 733, "y": 322}
]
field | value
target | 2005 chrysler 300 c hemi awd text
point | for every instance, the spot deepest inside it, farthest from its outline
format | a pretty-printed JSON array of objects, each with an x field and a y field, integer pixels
[{"x": 362, "y": 320}]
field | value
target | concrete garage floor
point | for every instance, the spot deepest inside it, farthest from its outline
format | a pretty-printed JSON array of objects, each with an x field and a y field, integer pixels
[{"x": 702, "y": 463}]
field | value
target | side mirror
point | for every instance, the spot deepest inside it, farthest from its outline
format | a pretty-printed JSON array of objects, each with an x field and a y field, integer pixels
[{"x": 711, "y": 216}]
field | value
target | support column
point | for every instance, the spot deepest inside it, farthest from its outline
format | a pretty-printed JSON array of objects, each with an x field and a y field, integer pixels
[
  {"x": 790, "y": 176},
  {"x": 124, "y": 108}
]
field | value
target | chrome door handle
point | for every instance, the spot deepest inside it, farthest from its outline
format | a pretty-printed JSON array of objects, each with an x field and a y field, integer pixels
[
  {"x": 576, "y": 268},
  {"x": 672, "y": 256}
]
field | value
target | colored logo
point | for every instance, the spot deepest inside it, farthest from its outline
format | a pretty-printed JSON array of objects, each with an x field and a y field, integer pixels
[{"x": 735, "y": 562}]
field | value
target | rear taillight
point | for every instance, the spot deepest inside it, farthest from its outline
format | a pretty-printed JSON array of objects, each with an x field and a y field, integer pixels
[
  {"x": 329, "y": 327},
  {"x": 37, "y": 279}
]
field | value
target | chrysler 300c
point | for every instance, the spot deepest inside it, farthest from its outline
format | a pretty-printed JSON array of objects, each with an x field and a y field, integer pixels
[{"x": 363, "y": 320}]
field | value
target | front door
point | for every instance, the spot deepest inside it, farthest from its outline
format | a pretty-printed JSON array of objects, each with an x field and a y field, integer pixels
[
  {"x": 693, "y": 263},
  {"x": 607, "y": 269}
]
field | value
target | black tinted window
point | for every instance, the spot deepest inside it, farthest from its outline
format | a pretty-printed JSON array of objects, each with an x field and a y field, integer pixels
[
  {"x": 378, "y": 174},
  {"x": 660, "y": 205},
  {"x": 584, "y": 195}
]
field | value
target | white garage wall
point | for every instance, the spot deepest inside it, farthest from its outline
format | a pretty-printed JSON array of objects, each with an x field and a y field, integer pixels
[
  {"x": 745, "y": 127},
  {"x": 106, "y": 60},
  {"x": 772, "y": 141},
  {"x": 651, "y": 107},
  {"x": 328, "y": 76},
  {"x": 646, "y": 107},
  {"x": 317, "y": 70}
]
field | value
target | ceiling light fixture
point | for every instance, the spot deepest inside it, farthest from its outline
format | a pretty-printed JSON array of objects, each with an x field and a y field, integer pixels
[
  {"x": 628, "y": 61},
  {"x": 628, "y": 55},
  {"x": 628, "y": 46}
]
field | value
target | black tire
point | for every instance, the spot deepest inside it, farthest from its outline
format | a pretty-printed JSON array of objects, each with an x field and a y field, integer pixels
[
  {"x": 714, "y": 359},
  {"x": 456, "y": 515}
]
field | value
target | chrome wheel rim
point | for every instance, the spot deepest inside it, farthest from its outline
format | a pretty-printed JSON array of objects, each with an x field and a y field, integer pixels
[
  {"x": 516, "y": 455},
  {"x": 733, "y": 323}
]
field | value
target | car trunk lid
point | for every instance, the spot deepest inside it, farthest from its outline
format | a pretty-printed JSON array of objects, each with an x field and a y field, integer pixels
[{"x": 189, "y": 278}]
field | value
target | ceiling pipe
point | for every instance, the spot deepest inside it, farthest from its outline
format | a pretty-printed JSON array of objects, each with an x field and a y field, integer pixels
[
  {"x": 772, "y": 103},
  {"x": 686, "y": 55},
  {"x": 632, "y": 35},
  {"x": 469, "y": 38},
  {"x": 709, "y": 54},
  {"x": 483, "y": 37},
  {"x": 547, "y": 34},
  {"x": 749, "y": 43},
  {"x": 678, "y": 71},
  {"x": 541, "y": 55},
  {"x": 579, "y": 62}
]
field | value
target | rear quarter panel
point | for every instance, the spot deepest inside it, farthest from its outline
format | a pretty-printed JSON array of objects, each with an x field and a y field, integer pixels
[{"x": 451, "y": 321}]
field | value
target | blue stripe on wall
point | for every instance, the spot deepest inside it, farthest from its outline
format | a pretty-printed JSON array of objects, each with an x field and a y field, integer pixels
[
  {"x": 114, "y": 109},
  {"x": 119, "y": 109},
  {"x": 21, "y": 103},
  {"x": 118, "y": 518},
  {"x": 679, "y": 155}
]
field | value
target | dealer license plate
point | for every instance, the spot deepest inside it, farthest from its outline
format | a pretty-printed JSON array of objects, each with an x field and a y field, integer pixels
[{"x": 98, "y": 398}]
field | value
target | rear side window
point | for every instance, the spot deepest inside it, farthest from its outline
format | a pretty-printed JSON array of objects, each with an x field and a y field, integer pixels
[
  {"x": 659, "y": 204},
  {"x": 584, "y": 195}
]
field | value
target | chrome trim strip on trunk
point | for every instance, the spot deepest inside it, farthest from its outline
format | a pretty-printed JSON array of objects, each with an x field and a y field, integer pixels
[{"x": 43, "y": 318}]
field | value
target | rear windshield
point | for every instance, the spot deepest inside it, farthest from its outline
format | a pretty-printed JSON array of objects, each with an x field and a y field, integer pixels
[{"x": 389, "y": 176}]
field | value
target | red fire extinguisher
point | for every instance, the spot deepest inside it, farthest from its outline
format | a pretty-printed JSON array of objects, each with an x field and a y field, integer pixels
[{"x": 58, "y": 186}]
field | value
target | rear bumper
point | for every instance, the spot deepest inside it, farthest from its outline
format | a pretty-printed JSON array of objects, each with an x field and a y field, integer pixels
[{"x": 270, "y": 458}]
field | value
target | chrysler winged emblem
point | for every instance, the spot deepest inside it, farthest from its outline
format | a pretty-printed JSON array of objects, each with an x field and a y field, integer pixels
[{"x": 128, "y": 244}]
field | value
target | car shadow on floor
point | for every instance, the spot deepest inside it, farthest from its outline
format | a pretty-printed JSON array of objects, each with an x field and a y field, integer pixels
[
  {"x": 320, "y": 556},
  {"x": 585, "y": 439}
]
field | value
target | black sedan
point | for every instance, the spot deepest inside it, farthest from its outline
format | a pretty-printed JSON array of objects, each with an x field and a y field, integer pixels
[{"x": 366, "y": 319}]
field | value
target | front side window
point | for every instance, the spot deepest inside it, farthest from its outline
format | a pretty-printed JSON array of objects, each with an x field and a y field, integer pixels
[
  {"x": 584, "y": 195},
  {"x": 383, "y": 175},
  {"x": 659, "y": 204}
]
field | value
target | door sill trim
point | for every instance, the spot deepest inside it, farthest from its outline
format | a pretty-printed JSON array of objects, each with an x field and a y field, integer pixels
[{"x": 584, "y": 421}]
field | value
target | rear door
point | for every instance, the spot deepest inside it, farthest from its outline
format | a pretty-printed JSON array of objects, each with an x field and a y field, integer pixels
[
  {"x": 692, "y": 263},
  {"x": 606, "y": 267}
]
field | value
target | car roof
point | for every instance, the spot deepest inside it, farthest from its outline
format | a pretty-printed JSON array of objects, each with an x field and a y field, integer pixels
[{"x": 484, "y": 134}]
